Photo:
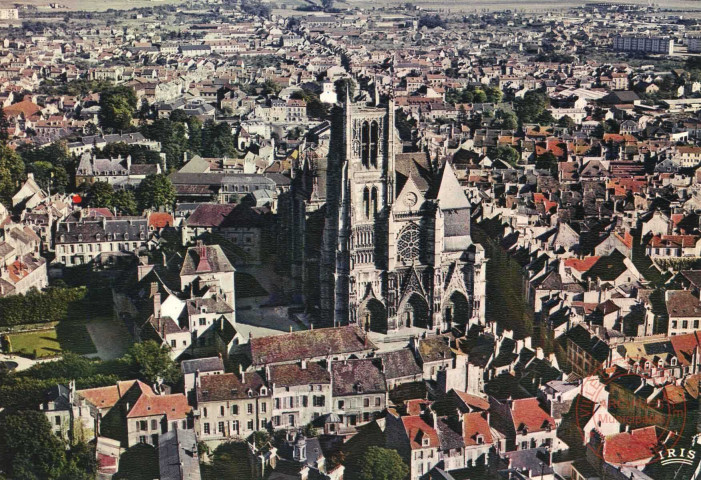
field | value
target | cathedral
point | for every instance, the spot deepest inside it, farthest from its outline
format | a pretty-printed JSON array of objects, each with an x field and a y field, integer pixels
[{"x": 397, "y": 246}]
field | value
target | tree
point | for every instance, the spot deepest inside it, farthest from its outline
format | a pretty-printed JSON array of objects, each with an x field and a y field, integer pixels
[
  {"x": 11, "y": 173},
  {"x": 507, "y": 154},
  {"x": 505, "y": 120},
  {"x": 566, "y": 122},
  {"x": 382, "y": 464},
  {"x": 547, "y": 161},
  {"x": 28, "y": 448},
  {"x": 4, "y": 127},
  {"x": 155, "y": 191},
  {"x": 153, "y": 362},
  {"x": 342, "y": 85},
  {"x": 117, "y": 107},
  {"x": 100, "y": 194},
  {"x": 125, "y": 202},
  {"x": 531, "y": 106},
  {"x": 431, "y": 21},
  {"x": 327, "y": 4}
]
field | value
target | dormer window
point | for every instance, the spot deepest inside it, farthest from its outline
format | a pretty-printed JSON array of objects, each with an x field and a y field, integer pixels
[
  {"x": 97, "y": 237},
  {"x": 126, "y": 236},
  {"x": 425, "y": 441},
  {"x": 80, "y": 237},
  {"x": 673, "y": 361},
  {"x": 203, "y": 309},
  {"x": 263, "y": 391},
  {"x": 479, "y": 439},
  {"x": 250, "y": 393}
]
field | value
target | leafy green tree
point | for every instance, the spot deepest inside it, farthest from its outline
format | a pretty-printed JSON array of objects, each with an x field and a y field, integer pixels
[
  {"x": 49, "y": 177},
  {"x": 4, "y": 127},
  {"x": 117, "y": 107},
  {"x": 125, "y": 202},
  {"x": 505, "y": 120},
  {"x": 566, "y": 122},
  {"x": 11, "y": 173},
  {"x": 531, "y": 106},
  {"x": 382, "y": 464},
  {"x": 194, "y": 127},
  {"x": 100, "y": 194},
  {"x": 547, "y": 161},
  {"x": 506, "y": 153},
  {"x": 153, "y": 362},
  {"x": 155, "y": 191},
  {"x": 479, "y": 96},
  {"x": 28, "y": 448},
  {"x": 342, "y": 85},
  {"x": 431, "y": 21},
  {"x": 82, "y": 464},
  {"x": 494, "y": 94}
]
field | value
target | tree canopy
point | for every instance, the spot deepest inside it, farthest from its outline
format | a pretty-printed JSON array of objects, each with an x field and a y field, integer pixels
[
  {"x": 28, "y": 448},
  {"x": 117, "y": 107},
  {"x": 382, "y": 464},
  {"x": 155, "y": 191},
  {"x": 153, "y": 362}
]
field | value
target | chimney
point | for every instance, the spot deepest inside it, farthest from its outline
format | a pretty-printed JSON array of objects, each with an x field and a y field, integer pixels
[
  {"x": 157, "y": 305},
  {"x": 243, "y": 375},
  {"x": 304, "y": 364}
]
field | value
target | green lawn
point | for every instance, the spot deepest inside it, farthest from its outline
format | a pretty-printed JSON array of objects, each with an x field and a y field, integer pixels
[
  {"x": 66, "y": 336},
  {"x": 45, "y": 342}
]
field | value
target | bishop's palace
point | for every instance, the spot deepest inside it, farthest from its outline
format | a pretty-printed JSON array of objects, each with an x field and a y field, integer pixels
[{"x": 396, "y": 251}]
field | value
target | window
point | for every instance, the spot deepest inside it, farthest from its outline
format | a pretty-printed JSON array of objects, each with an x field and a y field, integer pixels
[
  {"x": 154, "y": 424},
  {"x": 366, "y": 402},
  {"x": 291, "y": 420},
  {"x": 204, "y": 412},
  {"x": 142, "y": 439},
  {"x": 263, "y": 407},
  {"x": 318, "y": 400},
  {"x": 277, "y": 403},
  {"x": 378, "y": 401},
  {"x": 234, "y": 409},
  {"x": 221, "y": 427},
  {"x": 250, "y": 424},
  {"x": 221, "y": 411},
  {"x": 305, "y": 401},
  {"x": 203, "y": 321},
  {"x": 341, "y": 404},
  {"x": 249, "y": 408},
  {"x": 206, "y": 428},
  {"x": 143, "y": 425},
  {"x": 408, "y": 244},
  {"x": 235, "y": 426},
  {"x": 57, "y": 420},
  {"x": 172, "y": 343}
]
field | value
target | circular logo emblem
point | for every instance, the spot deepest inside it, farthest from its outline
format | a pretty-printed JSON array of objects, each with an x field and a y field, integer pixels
[{"x": 627, "y": 403}]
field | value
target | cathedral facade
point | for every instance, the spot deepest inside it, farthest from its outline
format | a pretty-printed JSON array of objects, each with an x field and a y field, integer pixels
[{"x": 403, "y": 255}]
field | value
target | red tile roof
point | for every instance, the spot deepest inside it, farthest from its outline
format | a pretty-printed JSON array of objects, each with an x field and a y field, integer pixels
[
  {"x": 526, "y": 412},
  {"x": 629, "y": 447},
  {"x": 475, "y": 424},
  {"x": 173, "y": 406},
  {"x": 582, "y": 264},
  {"x": 160, "y": 220},
  {"x": 417, "y": 429}
]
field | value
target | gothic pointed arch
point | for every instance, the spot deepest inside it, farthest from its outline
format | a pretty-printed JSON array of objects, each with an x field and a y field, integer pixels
[
  {"x": 456, "y": 309},
  {"x": 372, "y": 315},
  {"x": 414, "y": 312}
]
